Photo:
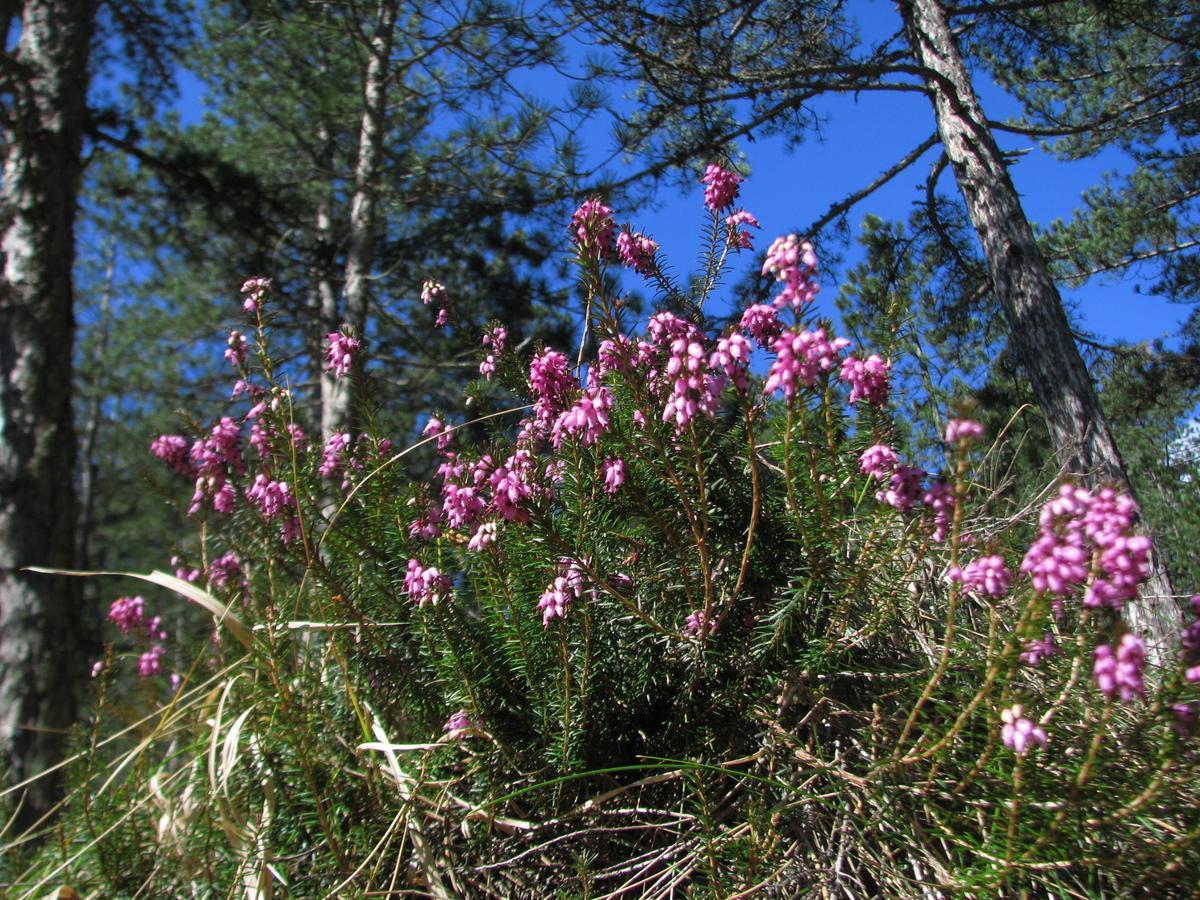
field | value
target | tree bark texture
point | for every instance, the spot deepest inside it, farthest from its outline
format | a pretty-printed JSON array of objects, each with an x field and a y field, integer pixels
[
  {"x": 46, "y": 638},
  {"x": 1028, "y": 296},
  {"x": 336, "y": 407}
]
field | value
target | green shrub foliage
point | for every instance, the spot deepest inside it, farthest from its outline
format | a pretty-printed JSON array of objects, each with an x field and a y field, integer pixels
[{"x": 672, "y": 616}]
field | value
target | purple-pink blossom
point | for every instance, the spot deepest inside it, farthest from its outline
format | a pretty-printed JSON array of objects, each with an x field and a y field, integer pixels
[
  {"x": 224, "y": 569},
  {"x": 425, "y": 585},
  {"x": 1020, "y": 733},
  {"x": 800, "y": 357},
  {"x": 272, "y": 497},
  {"x": 484, "y": 536},
  {"x": 761, "y": 323},
  {"x": 587, "y": 419},
  {"x": 127, "y": 613},
  {"x": 988, "y": 576},
  {"x": 459, "y": 725},
  {"x": 172, "y": 450},
  {"x": 592, "y": 229},
  {"x": 339, "y": 355},
  {"x": 1120, "y": 674},
  {"x": 721, "y": 187},
  {"x": 150, "y": 662},
  {"x": 636, "y": 251},
  {"x": 697, "y": 623},
  {"x": 235, "y": 351},
  {"x": 732, "y": 358},
  {"x": 795, "y": 264},
  {"x": 739, "y": 238},
  {"x": 878, "y": 461},
  {"x": 254, "y": 290},
  {"x": 962, "y": 430},
  {"x": 1038, "y": 649},
  {"x": 614, "y": 474},
  {"x": 568, "y": 584},
  {"x": 903, "y": 488},
  {"x": 939, "y": 499},
  {"x": 868, "y": 378}
]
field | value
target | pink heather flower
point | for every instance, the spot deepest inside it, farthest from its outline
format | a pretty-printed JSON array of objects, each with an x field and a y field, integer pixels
[
  {"x": 459, "y": 725},
  {"x": 425, "y": 585},
  {"x": 339, "y": 356},
  {"x": 1059, "y": 557},
  {"x": 637, "y": 251},
  {"x": 692, "y": 388},
  {"x": 962, "y": 430},
  {"x": 443, "y": 316},
  {"x": 878, "y": 461},
  {"x": 497, "y": 339},
  {"x": 462, "y": 506},
  {"x": 588, "y": 418},
  {"x": 552, "y": 384},
  {"x": 435, "y": 427},
  {"x": 592, "y": 229},
  {"x": 176, "y": 681},
  {"x": 732, "y": 357},
  {"x": 155, "y": 630},
  {"x": 150, "y": 662},
  {"x": 721, "y": 187},
  {"x": 224, "y": 569},
  {"x": 172, "y": 450},
  {"x": 795, "y": 264},
  {"x": 235, "y": 353},
  {"x": 740, "y": 239},
  {"x": 696, "y": 624},
  {"x": 1039, "y": 649},
  {"x": 568, "y": 584},
  {"x": 1121, "y": 673},
  {"x": 761, "y": 323},
  {"x": 97, "y": 668},
  {"x": 255, "y": 290},
  {"x": 988, "y": 576},
  {"x": 615, "y": 355},
  {"x": 184, "y": 572},
  {"x": 272, "y": 497},
  {"x": 1020, "y": 733},
  {"x": 428, "y": 526},
  {"x": 434, "y": 292},
  {"x": 939, "y": 498},
  {"x": 1192, "y": 674},
  {"x": 512, "y": 486},
  {"x": 126, "y": 613},
  {"x": 484, "y": 536},
  {"x": 799, "y": 358},
  {"x": 614, "y": 474},
  {"x": 290, "y": 530},
  {"x": 333, "y": 455},
  {"x": 904, "y": 487},
  {"x": 868, "y": 379}
]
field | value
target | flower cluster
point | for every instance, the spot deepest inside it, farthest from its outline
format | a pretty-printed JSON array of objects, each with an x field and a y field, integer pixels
[
  {"x": 1120, "y": 673},
  {"x": 799, "y": 358},
  {"x": 1073, "y": 526},
  {"x": 987, "y": 576},
  {"x": 592, "y": 229},
  {"x": 1020, "y": 733},
  {"x": 254, "y": 291},
  {"x": 637, "y": 251},
  {"x": 496, "y": 342},
  {"x": 721, "y": 187},
  {"x": 425, "y": 585},
  {"x": 868, "y": 378},
  {"x": 569, "y": 583},
  {"x": 959, "y": 430},
  {"x": 340, "y": 354},
  {"x": 235, "y": 352},
  {"x": 795, "y": 264}
]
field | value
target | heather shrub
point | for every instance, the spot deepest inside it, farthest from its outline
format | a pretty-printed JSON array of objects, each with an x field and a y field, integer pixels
[{"x": 675, "y": 614}]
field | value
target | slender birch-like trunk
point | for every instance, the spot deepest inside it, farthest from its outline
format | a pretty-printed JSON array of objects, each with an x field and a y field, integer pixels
[
  {"x": 337, "y": 402},
  {"x": 46, "y": 637}
]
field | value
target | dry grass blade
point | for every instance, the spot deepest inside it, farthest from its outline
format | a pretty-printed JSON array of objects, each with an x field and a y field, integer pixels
[{"x": 219, "y": 610}]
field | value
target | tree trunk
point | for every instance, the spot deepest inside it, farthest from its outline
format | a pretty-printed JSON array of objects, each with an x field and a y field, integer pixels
[
  {"x": 337, "y": 411},
  {"x": 45, "y": 637},
  {"x": 1027, "y": 294}
]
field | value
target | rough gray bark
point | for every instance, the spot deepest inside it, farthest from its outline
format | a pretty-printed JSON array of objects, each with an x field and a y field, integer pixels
[
  {"x": 1027, "y": 294},
  {"x": 336, "y": 399},
  {"x": 45, "y": 638}
]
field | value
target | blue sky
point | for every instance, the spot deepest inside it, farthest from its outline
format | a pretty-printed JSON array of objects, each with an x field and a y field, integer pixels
[{"x": 864, "y": 135}]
